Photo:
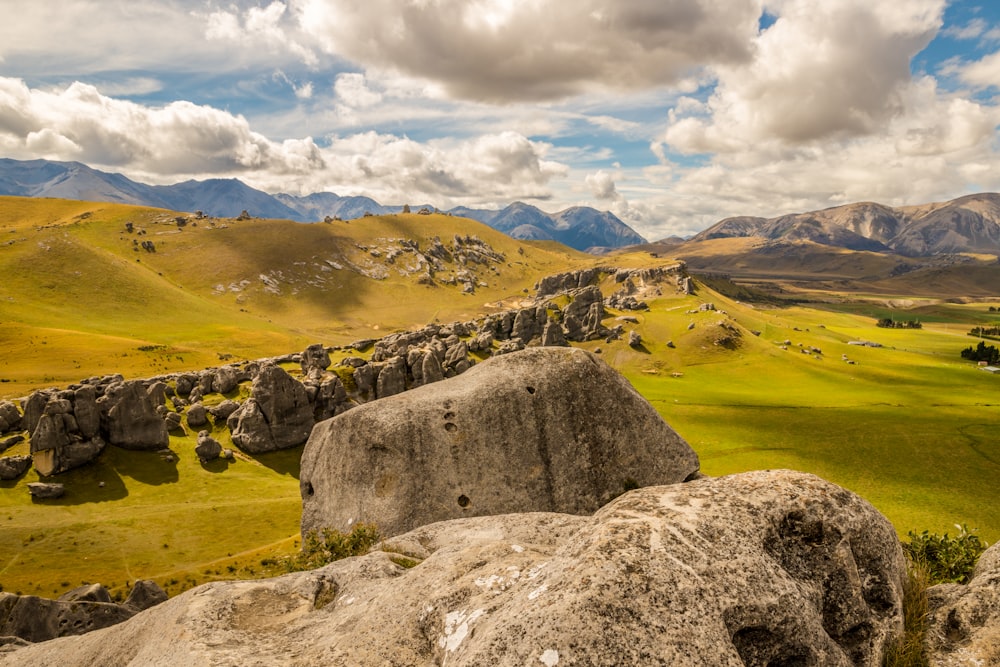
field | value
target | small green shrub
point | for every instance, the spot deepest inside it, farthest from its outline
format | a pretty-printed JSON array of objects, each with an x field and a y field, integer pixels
[
  {"x": 320, "y": 547},
  {"x": 947, "y": 559}
]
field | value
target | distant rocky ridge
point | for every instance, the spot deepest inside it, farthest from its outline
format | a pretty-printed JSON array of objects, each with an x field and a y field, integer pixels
[
  {"x": 579, "y": 227},
  {"x": 67, "y": 428},
  {"x": 967, "y": 224}
]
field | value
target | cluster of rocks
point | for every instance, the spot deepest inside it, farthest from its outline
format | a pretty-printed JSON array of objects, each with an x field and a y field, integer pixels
[
  {"x": 504, "y": 549},
  {"x": 30, "y": 619},
  {"x": 71, "y": 427}
]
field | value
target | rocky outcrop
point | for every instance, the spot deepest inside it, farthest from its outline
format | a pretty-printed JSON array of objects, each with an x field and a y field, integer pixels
[
  {"x": 38, "y": 619},
  {"x": 10, "y": 417},
  {"x": 314, "y": 361},
  {"x": 208, "y": 448},
  {"x": 67, "y": 432},
  {"x": 276, "y": 416},
  {"x": 46, "y": 490},
  {"x": 547, "y": 429},
  {"x": 12, "y": 467},
  {"x": 129, "y": 418},
  {"x": 145, "y": 593},
  {"x": 964, "y": 621},
  {"x": 765, "y": 568}
]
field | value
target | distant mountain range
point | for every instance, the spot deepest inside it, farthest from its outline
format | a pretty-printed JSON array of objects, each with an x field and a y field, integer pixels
[
  {"x": 969, "y": 224},
  {"x": 579, "y": 227}
]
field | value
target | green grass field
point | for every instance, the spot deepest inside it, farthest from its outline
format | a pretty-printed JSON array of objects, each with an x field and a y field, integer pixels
[{"x": 909, "y": 425}]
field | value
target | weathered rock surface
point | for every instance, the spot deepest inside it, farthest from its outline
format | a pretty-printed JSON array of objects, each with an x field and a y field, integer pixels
[
  {"x": 129, "y": 417},
  {"x": 197, "y": 415},
  {"x": 12, "y": 467},
  {"x": 145, "y": 593},
  {"x": 46, "y": 490},
  {"x": 964, "y": 621},
  {"x": 276, "y": 416},
  {"x": 315, "y": 360},
  {"x": 547, "y": 429},
  {"x": 10, "y": 417},
  {"x": 765, "y": 568},
  {"x": 38, "y": 619},
  {"x": 87, "y": 593},
  {"x": 208, "y": 448}
]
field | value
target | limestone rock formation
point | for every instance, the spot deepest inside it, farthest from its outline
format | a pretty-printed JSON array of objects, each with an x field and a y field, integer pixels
[
  {"x": 208, "y": 448},
  {"x": 38, "y": 619},
  {"x": 964, "y": 621},
  {"x": 46, "y": 490},
  {"x": 197, "y": 415},
  {"x": 315, "y": 360},
  {"x": 765, "y": 568},
  {"x": 276, "y": 416},
  {"x": 223, "y": 410},
  {"x": 12, "y": 467},
  {"x": 129, "y": 417},
  {"x": 66, "y": 433},
  {"x": 547, "y": 429},
  {"x": 87, "y": 593},
  {"x": 10, "y": 417},
  {"x": 145, "y": 593}
]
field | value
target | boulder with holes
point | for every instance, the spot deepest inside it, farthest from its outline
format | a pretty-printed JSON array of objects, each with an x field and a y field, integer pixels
[
  {"x": 546, "y": 429},
  {"x": 765, "y": 568}
]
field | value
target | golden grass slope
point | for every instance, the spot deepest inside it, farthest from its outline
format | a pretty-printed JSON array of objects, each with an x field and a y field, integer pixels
[{"x": 80, "y": 296}]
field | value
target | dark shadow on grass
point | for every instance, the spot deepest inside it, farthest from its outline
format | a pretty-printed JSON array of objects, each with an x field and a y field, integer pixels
[
  {"x": 147, "y": 467},
  {"x": 83, "y": 484},
  {"x": 216, "y": 465},
  {"x": 641, "y": 347},
  {"x": 283, "y": 462}
]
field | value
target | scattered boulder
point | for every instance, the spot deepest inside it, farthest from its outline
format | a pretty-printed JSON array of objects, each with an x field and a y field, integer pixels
[
  {"x": 225, "y": 380},
  {"x": 391, "y": 378},
  {"x": 197, "y": 415},
  {"x": 145, "y": 594},
  {"x": 10, "y": 417},
  {"x": 547, "y": 429},
  {"x": 36, "y": 619},
  {"x": 963, "y": 626},
  {"x": 276, "y": 416},
  {"x": 634, "y": 339},
  {"x": 7, "y": 443},
  {"x": 173, "y": 421},
  {"x": 12, "y": 467},
  {"x": 208, "y": 448},
  {"x": 764, "y": 568},
  {"x": 315, "y": 360},
  {"x": 129, "y": 418},
  {"x": 87, "y": 593},
  {"x": 46, "y": 490},
  {"x": 223, "y": 410}
]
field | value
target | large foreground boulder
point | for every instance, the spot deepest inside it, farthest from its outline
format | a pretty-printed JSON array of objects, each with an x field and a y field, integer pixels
[
  {"x": 546, "y": 429},
  {"x": 964, "y": 621},
  {"x": 765, "y": 568}
]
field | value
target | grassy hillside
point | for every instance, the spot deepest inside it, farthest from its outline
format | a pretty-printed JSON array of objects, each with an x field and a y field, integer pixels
[
  {"x": 79, "y": 296},
  {"x": 907, "y": 425}
]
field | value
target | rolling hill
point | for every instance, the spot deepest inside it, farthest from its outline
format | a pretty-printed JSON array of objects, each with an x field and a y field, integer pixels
[
  {"x": 77, "y": 288},
  {"x": 579, "y": 227}
]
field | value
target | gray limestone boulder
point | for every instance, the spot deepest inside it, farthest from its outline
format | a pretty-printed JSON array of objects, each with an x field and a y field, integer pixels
[
  {"x": 391, "y": 378},
  {"x": 45, "y": 490},
  {"x": 582, "y": 316},
  {"x": 12, "y": 467},
  {"x": 10, "y": 417},
  {"x": 33, "y": 407},
  {"x": 87, "y": 593},
  {"x": 223, "y": 410},
  {"x": 86, "y": 412},
  {"x": 185, "y": 383},
  {"x": 196, "y": 415},
  {"x": 547, "y": 429},
  {"x": 38, "y": 619},
  {"x": 766, "y": 568},
  {"x": 157, "y": 392},
  {"x": 225, "y": 380},
  {"x": 208, "y": 448},
  {"x": 60, "y": 440},
  {"x": 552, "y": 335},
  {"x": 963, "y": 627},
  {"x": 145, "y": 593},
  {"x": 129, "y": 418},
  {"x": 277, "y": 415},
  {"x": 315, "y": 360}
]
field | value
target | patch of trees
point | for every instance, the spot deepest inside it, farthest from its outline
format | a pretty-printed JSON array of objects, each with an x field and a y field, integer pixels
[
  {"x": 985, "y": 332},
  {"x": 982, "y": 352},
  {"x": 889, "y": 323}
]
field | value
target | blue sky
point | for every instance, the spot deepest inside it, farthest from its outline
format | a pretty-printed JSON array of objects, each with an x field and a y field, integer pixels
[{"x": 671, "y": 113}]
